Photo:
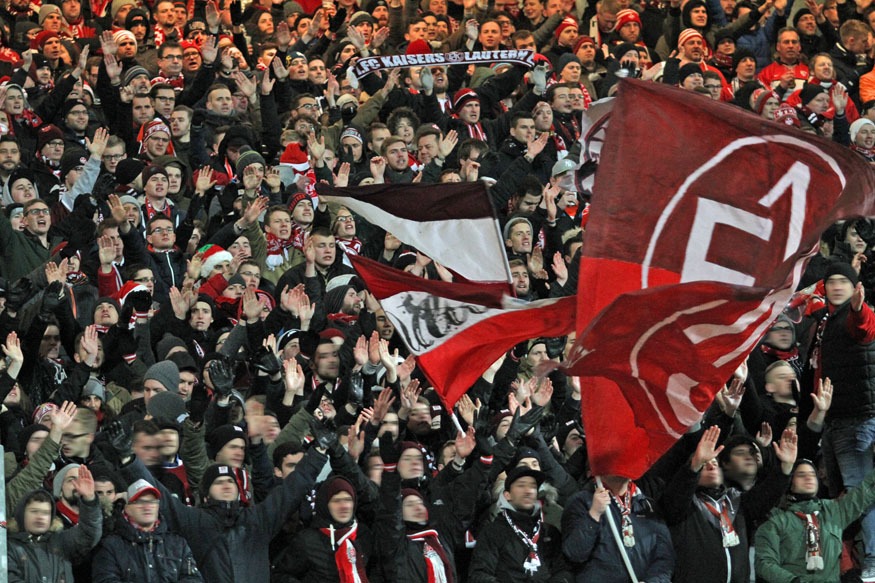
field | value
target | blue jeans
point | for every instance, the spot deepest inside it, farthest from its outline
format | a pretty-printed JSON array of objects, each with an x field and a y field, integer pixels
[{"x": 848, "y": 444}]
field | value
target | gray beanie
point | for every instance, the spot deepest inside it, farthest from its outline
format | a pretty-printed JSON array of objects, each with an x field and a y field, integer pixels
[
  {"x": 133, "y": 73},
  {"x": 514, "y": 221},
  {"x": 96, "y": 388},
  {"x": 168, "y": 343},
  {"x": 166, "y": 407},
  {"x": 59, "y": 478},
  {"x": 166, "y": 373}
]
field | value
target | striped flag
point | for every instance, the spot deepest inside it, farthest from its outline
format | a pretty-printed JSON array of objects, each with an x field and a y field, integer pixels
[{"x": 454, "y": 224}]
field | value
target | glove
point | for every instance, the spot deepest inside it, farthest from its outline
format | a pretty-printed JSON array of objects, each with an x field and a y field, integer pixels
[
  {"x": 18, "y": 294},
  {"x": 141, "y": 301},
  {"x": 338, "y": 19},
  {"x": 322, "y": 436},
  {"x": 267, "y": 361},
  {"x": 519, "y": 426},
  {"x": 236, "y": 13},
  {"x": 390, "y": 452},
  {"x": 356, "y": 389},
  {"x": 51, "y": 301},
  {"x": 520, "y": 350},
  {"x": 472, "y": 31},
  {"x": 426, "y": 80},
  {"x": 222, "y": 376},
  {"x": 627, "y": 69},
  {"x": 315, "y": 399},
  {"x": 351, "y": 78},
  {"x": 539, "y": 78},
  {"x": 121, "y": 438}
]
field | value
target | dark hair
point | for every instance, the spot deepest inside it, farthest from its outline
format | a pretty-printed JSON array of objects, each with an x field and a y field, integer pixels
[
  {"x": 399, "y": 114},
  {"x": 518, "y": 115},
  {"x": 155, "y": 219},
  {"x": 159, "y": 86},
  {"x": 167, "y": 45},
  {"x": 284, "y": 449},
  {"x": 470, "y": 144}
]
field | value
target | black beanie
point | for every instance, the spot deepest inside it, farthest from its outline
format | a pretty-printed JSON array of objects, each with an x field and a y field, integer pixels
[
  {"x": 213, "y": 473},
  {"x": 841, "y": 268},
  {"x": 799, "y": 14},
  {"x": 25, "y": 434},
  {"x": 222, "y": 435},
  {"x": 687, "y": 70},
  {"x": 810, "y": 91},
  {"x": 739, "y": 54}
]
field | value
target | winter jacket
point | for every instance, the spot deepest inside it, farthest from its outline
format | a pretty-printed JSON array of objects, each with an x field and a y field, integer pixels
[
  {"x": 698, "y": 541},
  {"x": 502, "y": 556},
  {"x": 131, "y": 555},
  {"x": 22, "y": 252},
  {"x": 780, "y": 542},
  {"x": 848, "y": 359},
  {"x": 47, "y": 557},
  {"x": 230, "y": 542},
  {"x": 591, "y": 545}
]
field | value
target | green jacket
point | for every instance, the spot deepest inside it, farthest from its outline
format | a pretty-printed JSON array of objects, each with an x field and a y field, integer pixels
[
  {"x": 21, "y": 251},
  {"x": 780, "y": 542},
  {"x": 31, "y": 476}
]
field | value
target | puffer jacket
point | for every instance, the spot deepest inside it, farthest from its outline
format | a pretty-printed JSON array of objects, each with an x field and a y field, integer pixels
[
  {"x": 137, "y": 556},
  {"x": 47, "y": 557}
]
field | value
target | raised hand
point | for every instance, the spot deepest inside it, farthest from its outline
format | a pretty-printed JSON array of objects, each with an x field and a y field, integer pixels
[
  {"x": 381, "y": 406},
  {"x": 785, "y": 450},
  {"x": 410, "y": 394},
  {"x": 283, "y": 39},
  {"x": 108, "y": 44},
  {"x": 857, "y": 297},
  {"x": 113, "y": 66},
  {"x": 764, "y": 435},
  {"x": 380, "y": 37},
  {"x": 541, "y": 396},
  {"x": 267, "y": 83},
  {"x": 253, "y": 211},
  {"x": 293, "y": 377},
  {"x": 61, "y": 419},
  {"x": 222, "y": 376},
  {"x": 342, "y": 178},
  {"x": 252, "y": 306},
  {"x": 559, "y": 268},
  {"x": 272, "y": 178},
  {"x": 823, "y": 397},
  {"x": 707, "y": 449},
  {"x": 465, "y": 443},
  {"x": 360, "y": 352},
  {"x": 729, "y": 398},
  {"x": 119, "y": 214},
  {"x": 97, "y": 144},
  {"x": 448, "y": 143},
  {"x": 466, "y": 409},
  {"x": 84, "y": 483},
  {"x": 205, "y": 180}
]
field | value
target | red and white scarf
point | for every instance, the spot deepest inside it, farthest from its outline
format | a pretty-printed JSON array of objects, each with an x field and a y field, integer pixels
[
  {"x": 151, "y": 211},
  {"x": 435, "y": 556},
  {"x": 276, "y": 250},
  {"x": 624, "y": 503},
  {"x": 721, "y": 513},
  {"x": 352, "y": 246},
  {"x": 347, "y": 556},
  {"x": 533, "y": 560},
  {"x": 814, "y": 558}
]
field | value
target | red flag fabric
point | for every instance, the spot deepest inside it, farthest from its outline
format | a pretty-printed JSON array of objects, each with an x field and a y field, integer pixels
[
  {"x": 454, "y": 224},
  {"x": 689, "y": 255},
  {"x": 457, "y": 330}
]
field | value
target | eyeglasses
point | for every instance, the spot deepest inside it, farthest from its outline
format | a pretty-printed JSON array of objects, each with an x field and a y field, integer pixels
[
  {"x": 173, "y": 57},
  {"x": 38, "y": 212},
  {"x": 345, "y": 219},
  {"x": 161, "y": 230},
  {"x": 145, "y": 279},
  {"x": 55, "y": 143},
  {"x": 113, "y": 157},
  {"x": 308, "y": 106}
]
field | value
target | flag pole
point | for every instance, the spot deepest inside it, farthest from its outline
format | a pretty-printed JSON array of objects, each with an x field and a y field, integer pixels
[{"x": 616, "y": 533}]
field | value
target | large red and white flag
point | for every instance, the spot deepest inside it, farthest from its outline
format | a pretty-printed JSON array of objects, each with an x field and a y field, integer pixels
[
  {"x": 703, "y": 219},
  {"x": 454, "y": 224},
  {"x": 457, "y": 330}
]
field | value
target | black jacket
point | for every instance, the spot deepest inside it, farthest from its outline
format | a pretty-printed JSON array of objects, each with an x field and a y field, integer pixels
[
  {"x": 229, "y": 542},
  {"x": 133, "y": 555}
]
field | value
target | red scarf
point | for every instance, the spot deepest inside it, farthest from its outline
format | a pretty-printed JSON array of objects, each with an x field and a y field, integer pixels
[
  {"x": 276, "y": 250},
  {"x": 721, "y": 513},
  {"x": 351, "y": 246},
  {"x": 625, "y": 506},
  {"x": 347, "y": 555},
  {"x": 349, "y": 319},
  {"x": 868, "y": 153},
  {"x": 814, "y": 557},
  {"x": 533, "y": 560},
  {"x": 436, "y": 561},
  {"x": 67, "y": 512},
  {"x": 151, "y": 211}
]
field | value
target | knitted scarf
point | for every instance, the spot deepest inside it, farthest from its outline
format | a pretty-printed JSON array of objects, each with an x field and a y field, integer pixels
[
  {"x": 814, "y": 560},
  {"x": 347, "y": 555},
  {"x": 435, "y": 556},
  {"x": 867, "y": 153},
  {"x": 276, "y": 250},
  {"x": 624, "y": 503}
]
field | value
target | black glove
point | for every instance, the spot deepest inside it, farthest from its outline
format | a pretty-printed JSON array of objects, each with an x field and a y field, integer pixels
[
  {"x": 519, "y": 426},
  {"x": 390, "y": 450},
  {"x": 141, "y": 301},
  {"x": 315, "y": 399},
  {"x": 338, "y": 19},
  {"x": 51, "y": 299},
  {"x": 18, "y": 294},
  {"x": 222, "y": 376},
  {"x": 236, "y": 13},
  {"x": 520, "y": 350},
  {"x": 356, "y": 389},
  {"x": 322, "y": 436},
  {"x": 121, "y": 437},
  {"x": 267, "y": 361}
]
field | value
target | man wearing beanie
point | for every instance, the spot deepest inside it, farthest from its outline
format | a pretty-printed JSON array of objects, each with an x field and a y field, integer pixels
[
  {"x": 230, "y": 543},
  {"x": 79, "y": 171},
  {"x": 844, "y": 352},
  {"x": 807, "y": 25},
  {"x": 161, "y": 376}
]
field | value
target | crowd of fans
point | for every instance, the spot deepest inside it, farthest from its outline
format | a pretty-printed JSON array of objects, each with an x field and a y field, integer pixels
[{"x": 196, "y": 386}]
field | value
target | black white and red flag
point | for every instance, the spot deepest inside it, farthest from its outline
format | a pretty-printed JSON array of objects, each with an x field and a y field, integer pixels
[
  {"x": 702, "y": 221},
  {"x": 454, "y": 224},
  {"x": 457, "y": 330}
]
